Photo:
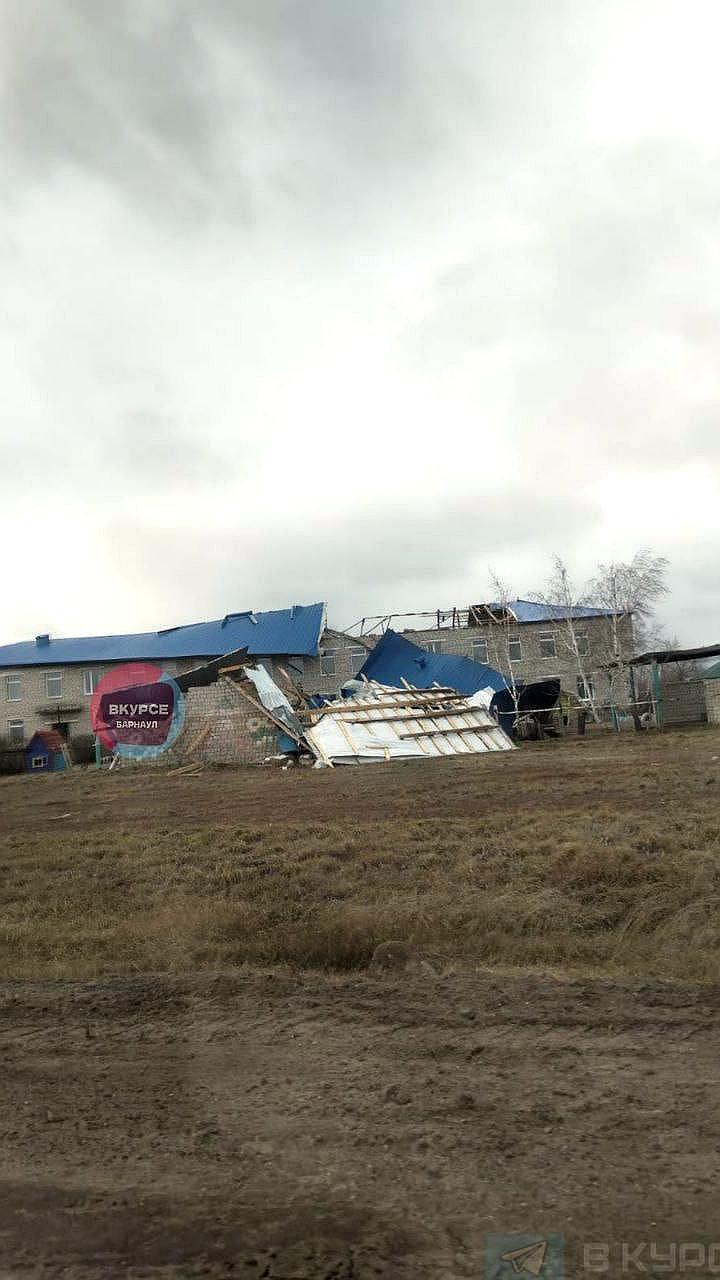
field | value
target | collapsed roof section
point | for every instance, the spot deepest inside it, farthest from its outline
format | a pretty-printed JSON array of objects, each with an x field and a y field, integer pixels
[
  {"x": 381, "y": 723},
  {"x": 252, "y": 680},
  {"x": 395, "y": 660}
]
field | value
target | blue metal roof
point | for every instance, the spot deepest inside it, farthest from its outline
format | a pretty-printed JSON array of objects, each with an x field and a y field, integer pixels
[
  {"x": 531, "y": 611},
  {"x": 394, "y": 658},
  {"x": 281, "y": 631}
]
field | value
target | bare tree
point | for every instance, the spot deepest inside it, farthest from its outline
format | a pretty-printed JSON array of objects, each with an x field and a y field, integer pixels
[
  {"x": 627, "y": 592},
  {"x": 564, "y": 602},
  {"x": 501, "y": 624}
]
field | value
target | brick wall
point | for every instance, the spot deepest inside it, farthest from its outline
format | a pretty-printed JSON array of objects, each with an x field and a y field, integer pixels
[
  {"x": 683, "y": 702},
  {"x": 711, "y": 690},
  {"x": 343, "y": 654},
  {"x": 340, "y": 659},
  {"x": 73, "y": 707},
  {"x": 222, "y": 727},
  {"x": 531, "y": 663}
]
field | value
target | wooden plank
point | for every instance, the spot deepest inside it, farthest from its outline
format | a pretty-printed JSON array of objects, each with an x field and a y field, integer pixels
[
  {"x": 187, "y": 770},
  {"x": 197, "y": 740},
  {"x": 263, "y": 711},
  {"x": 424, "y": 698},
  {"x": 432, "y": 733},
  {"x": 390, "y": 713},
  {"x": 348, "y": 739}
]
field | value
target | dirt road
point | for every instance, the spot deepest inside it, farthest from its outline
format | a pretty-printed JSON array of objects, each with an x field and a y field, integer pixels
[{"x": 252, "y": 1125}]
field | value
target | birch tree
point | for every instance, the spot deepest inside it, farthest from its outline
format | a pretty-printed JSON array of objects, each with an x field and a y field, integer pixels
[
  {"x": 628, "y": 592},
  {"x": 501, "y": 626},
  {"x": 563, "y": 600}
]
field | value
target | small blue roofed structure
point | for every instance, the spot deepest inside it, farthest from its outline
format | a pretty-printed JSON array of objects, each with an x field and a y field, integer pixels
[
  {"x": 45, "y": 752},
  {"x": 395, "y": 659}
]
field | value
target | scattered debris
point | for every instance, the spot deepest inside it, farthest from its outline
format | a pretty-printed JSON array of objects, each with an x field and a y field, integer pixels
[
  {"x": 385, "y": 723},
  {"x": 187, "y": 769}
]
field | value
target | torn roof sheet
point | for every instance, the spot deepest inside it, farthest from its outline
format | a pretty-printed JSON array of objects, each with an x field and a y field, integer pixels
[
  {"x": 395, "y": 659},
  {"x": 535, "y": 611},
  {"x": 382, "y": 723}
]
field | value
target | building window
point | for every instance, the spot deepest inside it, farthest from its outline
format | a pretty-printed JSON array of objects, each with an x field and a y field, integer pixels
[
  {"x": 16, "y": 732},
  {"x": 581, "y": 640},
  {"x": 480, "y": 650},
  {"x": 514, "y": 649},
  {"x": 585, "y": 688},
  {"x": 39, "y": 762},
  {"x": 434, "y": 646},
  {"x": 357, "y": 659},
  {"x": 53, "y": 684},
  {"x": 13, "y": 688},
  {"x": 91, "y": 680},
  {"x": 328, "y": 662},
  {"x": 547, "y": 645}
]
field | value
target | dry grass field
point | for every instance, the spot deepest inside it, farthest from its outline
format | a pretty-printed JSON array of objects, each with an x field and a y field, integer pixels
[
  {"x": 596, "y": 856},
  {"x": 202, "y": 1076}
]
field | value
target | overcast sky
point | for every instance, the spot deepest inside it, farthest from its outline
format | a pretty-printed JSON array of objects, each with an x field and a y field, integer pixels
[{"x": 353, "y": 299}]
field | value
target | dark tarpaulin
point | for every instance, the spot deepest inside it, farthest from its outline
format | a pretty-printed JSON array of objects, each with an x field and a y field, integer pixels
[{"x": 539, "y": 697}]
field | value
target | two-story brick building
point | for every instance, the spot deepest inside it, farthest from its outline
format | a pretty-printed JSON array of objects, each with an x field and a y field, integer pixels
[
  {"x": 48, "y": 683},
  {"x": 528, "y": 641}
]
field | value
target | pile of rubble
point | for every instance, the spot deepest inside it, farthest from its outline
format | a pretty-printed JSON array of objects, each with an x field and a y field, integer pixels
[{"x": 236, "y": 713}]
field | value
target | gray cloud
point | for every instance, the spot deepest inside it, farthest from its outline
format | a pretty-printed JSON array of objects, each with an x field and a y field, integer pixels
[
  {"x": 393, "y": 556},
  {"x": 608, "y": 303},
  {"x": 230, "y": 109},
  {"x": 94, "y": 87},
  {"x": 281, "y": 257}
]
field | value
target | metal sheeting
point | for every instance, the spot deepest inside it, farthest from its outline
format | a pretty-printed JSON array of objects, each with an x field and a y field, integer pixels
[
  {"x": 395, "y": 659},
  {"x": 382, "y": 723},
  {"x": 273, "y": 699},
  {"x": 280, "y": 631},
  {"x": 533, "y": 611}
]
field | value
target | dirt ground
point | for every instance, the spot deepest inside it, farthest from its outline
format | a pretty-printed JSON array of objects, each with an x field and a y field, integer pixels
[
  {"x": 201, "y": 1076},
  {"x": 648, "y": 773},
  {"x": 260, "y": 1125}
]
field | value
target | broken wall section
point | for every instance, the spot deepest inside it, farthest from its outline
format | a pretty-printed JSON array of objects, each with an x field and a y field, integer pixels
[{"x": 223, "y": 726}]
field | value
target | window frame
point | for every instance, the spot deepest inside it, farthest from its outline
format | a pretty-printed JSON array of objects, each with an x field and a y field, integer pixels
[
  {"x": 547, "y": 638},
  {"x": 12, "y": 728},
  {"x": 358, "y": 658},
  {"x": 9, "y": 679},
  {"x": 332, "y": 654},
  {"x": 95, "y": 678},
  {"x": 39, "y": 762},
  {"x": 54, "y": 675},
  {"x": 480, "y": 640},
  {"x": 587, "y": 683},
  {"x": 585, "y": 638},
  {"x": 514, "y": 641}
]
